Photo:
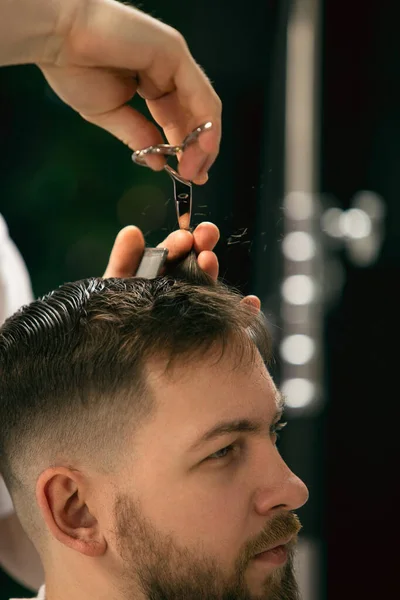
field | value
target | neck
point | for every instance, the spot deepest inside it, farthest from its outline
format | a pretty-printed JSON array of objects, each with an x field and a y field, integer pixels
[{"x": 87, "y": 584}]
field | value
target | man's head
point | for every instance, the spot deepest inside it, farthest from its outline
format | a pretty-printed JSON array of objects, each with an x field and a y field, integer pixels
[{"x": 109, "y": 392}]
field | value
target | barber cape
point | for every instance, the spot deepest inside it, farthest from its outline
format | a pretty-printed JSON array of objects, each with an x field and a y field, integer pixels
[
  {"x": 41, "y": 595},
  {"x": 15, "y": 291}
]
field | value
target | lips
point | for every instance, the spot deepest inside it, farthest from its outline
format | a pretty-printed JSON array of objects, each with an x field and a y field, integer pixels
[
  {"x": 276, "y": 557},
  {"x": 283, "y": 542}
]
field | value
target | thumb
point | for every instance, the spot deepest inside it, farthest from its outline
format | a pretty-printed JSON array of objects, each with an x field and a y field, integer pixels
[{"x": 126, "y": 253}]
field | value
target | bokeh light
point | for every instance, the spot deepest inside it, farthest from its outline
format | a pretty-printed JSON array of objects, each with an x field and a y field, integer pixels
[
  {"x": 298, "y": 392},
  {"x": 298, "y": 289},
  {"x": 355, "y": 223},
  {"x": 297, "y": 349},
  {"x": 298, "y": 246},
  {"x": 299, "y": 206}
]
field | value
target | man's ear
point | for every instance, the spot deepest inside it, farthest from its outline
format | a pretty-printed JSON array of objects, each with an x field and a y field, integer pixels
[{"x": 60, "y": 494}]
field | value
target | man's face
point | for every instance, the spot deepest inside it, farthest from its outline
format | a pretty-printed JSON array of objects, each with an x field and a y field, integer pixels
[{"x": 191, "y": 515}]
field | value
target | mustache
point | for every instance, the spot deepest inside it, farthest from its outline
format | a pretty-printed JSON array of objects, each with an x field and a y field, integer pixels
[{"x": 283, "y": 526}]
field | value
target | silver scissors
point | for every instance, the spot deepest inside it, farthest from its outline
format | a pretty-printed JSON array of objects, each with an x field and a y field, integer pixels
[{"x": 182, "y": 187}]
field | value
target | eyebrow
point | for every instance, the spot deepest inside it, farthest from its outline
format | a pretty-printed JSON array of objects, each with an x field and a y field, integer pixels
[{"x": 254, "y": 426}]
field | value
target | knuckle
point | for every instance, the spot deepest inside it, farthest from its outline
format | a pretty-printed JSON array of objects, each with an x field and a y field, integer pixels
[
  {"x": 180, "y": 40},
  {"x": 176, "y": 38}
]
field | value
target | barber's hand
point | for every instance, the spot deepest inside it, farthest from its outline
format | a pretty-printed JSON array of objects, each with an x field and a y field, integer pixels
[
  {"x": 111, "y": 52},
  {"x": 129, "y": 247}
]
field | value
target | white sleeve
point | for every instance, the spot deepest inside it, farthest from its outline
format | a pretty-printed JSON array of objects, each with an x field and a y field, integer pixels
[
  {"x": 15, "y": 291},
  {"x": 15, "y": 285}
]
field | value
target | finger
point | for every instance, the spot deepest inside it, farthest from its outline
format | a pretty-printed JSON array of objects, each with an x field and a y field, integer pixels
[
  {"x": 202, "y": 176},
  {"x": 195, "y": 162},
  {"x": 206, "y": 236},
  {"x": 201, "y": 180},
  {"x": 252, "y": 301},
  {"x": 100, "y": 97},
  {"x": 133, "y": 129},
  {"x": 126, "y": 253},
  {"x": 203, "y": 104},
  {"x": 192, "y": 104},
  {"x": 208, "y": 261},
  {"x": 179, "y": 244}
]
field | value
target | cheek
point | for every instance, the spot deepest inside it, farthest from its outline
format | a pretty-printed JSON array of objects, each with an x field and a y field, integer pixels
[{"x": 214, "y": 514}]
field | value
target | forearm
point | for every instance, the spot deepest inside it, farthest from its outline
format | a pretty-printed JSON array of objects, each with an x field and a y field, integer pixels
[{"x": 32, "y": 31}]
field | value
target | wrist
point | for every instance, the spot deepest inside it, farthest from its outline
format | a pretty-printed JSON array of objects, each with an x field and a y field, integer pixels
[{"x": 33, "y": 31}]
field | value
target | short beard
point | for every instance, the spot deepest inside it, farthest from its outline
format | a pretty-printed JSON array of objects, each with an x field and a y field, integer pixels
[
  {"x": 284, "y": 586},
  {"x": 160, "y": 569}
]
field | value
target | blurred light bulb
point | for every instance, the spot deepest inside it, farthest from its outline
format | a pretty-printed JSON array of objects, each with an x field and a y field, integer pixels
[
  {"x": 363, "y": 252},
  {"x": 298, "y": 392},
  {"x": 298, "y": 289},
  {"x": 298, "y": 246},
  {"x": 355, "y": 223},
  {"x": 297, "y": 349},
  {"x": 299, "y": 206},
  {"x": 371, "y": 203},
  {"x": 330, "y": 222}
]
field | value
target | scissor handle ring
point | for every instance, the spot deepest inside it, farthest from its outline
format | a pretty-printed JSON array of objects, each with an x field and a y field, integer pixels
[
  {"x": 138, "y": 156},
  {"x": 165, "y": 149}
]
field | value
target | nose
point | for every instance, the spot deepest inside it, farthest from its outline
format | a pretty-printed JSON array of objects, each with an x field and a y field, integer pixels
[{"x": 280, "y": 488}]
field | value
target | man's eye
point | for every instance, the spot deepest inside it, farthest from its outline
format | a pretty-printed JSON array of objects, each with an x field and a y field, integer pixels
[
  {"x": 223, "y": 453},
  {"x": 227, "y": 450}
]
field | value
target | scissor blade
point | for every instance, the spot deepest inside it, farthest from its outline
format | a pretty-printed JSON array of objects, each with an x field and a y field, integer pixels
[{"x": 183, "y": 198}]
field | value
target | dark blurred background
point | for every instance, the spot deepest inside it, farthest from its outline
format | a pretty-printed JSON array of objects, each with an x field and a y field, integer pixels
[{"x": 67, "y": 188}]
